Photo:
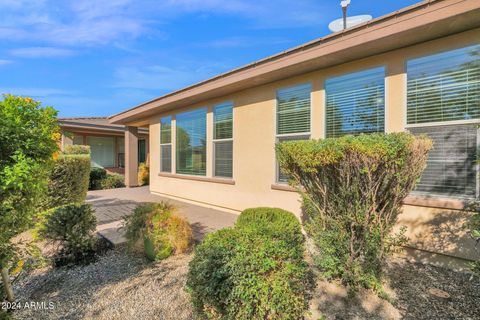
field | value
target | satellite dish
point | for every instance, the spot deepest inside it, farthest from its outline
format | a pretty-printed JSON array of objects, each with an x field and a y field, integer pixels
[{"x": 337, "y": 25}]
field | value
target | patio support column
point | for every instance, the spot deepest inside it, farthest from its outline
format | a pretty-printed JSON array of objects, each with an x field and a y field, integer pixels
[{"x": 131, "y": 156}]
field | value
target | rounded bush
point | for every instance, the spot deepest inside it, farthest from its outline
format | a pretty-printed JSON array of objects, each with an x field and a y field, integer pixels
[
  {"x": 97, "y": 175},
  {"x": 159, "y": 230},
  {"x": 71, "y": 228},
  {"x": 113, "y": 181},
  {"x": 252, "y": 271},
  {"x": 76, "y": 149},
  {"x": 276, "y": 222}
]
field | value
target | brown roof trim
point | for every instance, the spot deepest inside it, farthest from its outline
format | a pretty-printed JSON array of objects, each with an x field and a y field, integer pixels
[
  {"x": 97, "y": 127},
  {"x": 405, "y": 27}
]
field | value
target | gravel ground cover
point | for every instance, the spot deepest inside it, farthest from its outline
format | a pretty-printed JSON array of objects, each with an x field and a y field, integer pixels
[
  {"x": 121, "y": 286},
  {"x": 117, "y": 286}
]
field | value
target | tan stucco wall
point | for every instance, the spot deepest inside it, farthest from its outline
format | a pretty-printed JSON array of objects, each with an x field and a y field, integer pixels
[{"x": 254, "y": 139}]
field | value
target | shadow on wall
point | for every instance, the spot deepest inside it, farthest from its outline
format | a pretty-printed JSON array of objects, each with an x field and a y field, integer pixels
[{"x": 440, "y": 235}]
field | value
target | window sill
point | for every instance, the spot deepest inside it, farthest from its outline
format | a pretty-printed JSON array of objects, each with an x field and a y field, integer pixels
[
  {"x": 197, "y": 178},
  {"x": 435, "y": 202},
  {"x": 283, "y": 187}
]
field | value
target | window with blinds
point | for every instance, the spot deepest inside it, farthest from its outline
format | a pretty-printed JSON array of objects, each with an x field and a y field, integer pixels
[
  {"x": 443, "y": 102},
  {"x": 191, "y": 138},
  {"x": 223, "y": 140},
  {"x": 355, "y": 103},
  {"x": 451, "y": 166},
  {"x": 293, "y": 110},
  {"x": 293, "y": 118},
  {"x": 444, "y": 87},
  {"x": 166, "y": 144}
]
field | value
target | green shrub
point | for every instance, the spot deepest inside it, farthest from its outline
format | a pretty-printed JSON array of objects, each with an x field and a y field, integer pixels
[
  {"x": 97, "y": 175},
  {"x": 473, "y": 227},
  {"x": 76, "y": 149},
  {"x": 68, "y": 181},
  {"x": 251, "y": 273},
  {"x": 113, "y": 181},
  {"x": 70, "y": 228},
  {"x": 352, "y": 189},
  {"x": 276, "y": 222},
  {"x": 158, "y": 230},
  {"x": 143, "y": 174}
]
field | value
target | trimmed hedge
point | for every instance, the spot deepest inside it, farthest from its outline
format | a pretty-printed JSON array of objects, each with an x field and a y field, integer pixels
[
  {"x": 97, "y": 175},
  {"x": 113, "y": 181},
  {"x": 251, "y": 271},
  {"x": 76, "y": 149},
  {"x": 353, "y": 189},
  {"x": 68, "y": 181}
]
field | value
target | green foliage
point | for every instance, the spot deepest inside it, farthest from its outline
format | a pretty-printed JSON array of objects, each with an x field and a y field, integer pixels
[
  {"x": 275, "y": 222},
  {"x": 68, "y": 181},
  {"x": 251, "y": 271},
  {"x": 159, "y": 230},
  {"x": 76, "y": 149},
  {"x": 28, "y": 140},
  {"x": 113, "y": 181},
  {"x": 352, "y": 189},
  {"x": 143, "y": 174},
  {"x": 71, "y": 228},
  {"x": 97, "y": 175}
]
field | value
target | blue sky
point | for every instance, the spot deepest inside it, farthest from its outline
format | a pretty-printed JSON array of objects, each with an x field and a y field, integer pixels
[{"x": 96, "y": 58}]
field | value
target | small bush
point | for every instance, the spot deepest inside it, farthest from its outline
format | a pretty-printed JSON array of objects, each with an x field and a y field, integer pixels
[
  {"x": 76, "y": 149},
  {"x": 70, "y": 228},
  {"x": 353, "y": 189},
  {"x": 68, "y": 181},
  {"x": 97, "y": 175},
  {"x": 113, "y": 181},
  {"x": 143, "y": 174},
  {"x": 159, "y": 230},
  {"x": 276, "y": 222},
  {"x": 473, "y": 227},
  {"x": 251, "y": 273}
]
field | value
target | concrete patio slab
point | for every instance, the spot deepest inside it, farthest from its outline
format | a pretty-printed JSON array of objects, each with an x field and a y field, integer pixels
[{"x": 112, "y": 205}]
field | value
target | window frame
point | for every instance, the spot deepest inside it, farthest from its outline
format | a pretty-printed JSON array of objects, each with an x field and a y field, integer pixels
[
  {"x": 215, "y": 141},
  {"x": 474, "y": 122},
  {"x": 166, "y": 144},
  {"x": 301, "y": 135},
  {"x": 385, "y": 89},
  {"x": 206, "y": 110}
]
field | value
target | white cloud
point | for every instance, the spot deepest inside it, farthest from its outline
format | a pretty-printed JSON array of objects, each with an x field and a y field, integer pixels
[
  {"x": 41, "y": 52},
  {"x": 4, "y": 62}
]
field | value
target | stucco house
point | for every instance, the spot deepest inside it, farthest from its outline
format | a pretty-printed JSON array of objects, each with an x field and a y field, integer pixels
[
  {"x": 106, "y": 141},
  {"x": 417, "y": 70}
]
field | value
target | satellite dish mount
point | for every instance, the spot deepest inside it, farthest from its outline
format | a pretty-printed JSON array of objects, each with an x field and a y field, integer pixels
[{"x": 344, "y": 4}]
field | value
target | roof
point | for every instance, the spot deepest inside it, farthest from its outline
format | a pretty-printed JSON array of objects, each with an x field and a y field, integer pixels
[
  {"x": 94, "y": 123},
  {"x": 418, "y": 23}
]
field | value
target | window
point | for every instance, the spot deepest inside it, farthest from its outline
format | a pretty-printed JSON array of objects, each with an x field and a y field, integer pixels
[
  {"x": 77, "y": 140},
  {"x": 443, "y": 102},
  {"x": 293, "y": 117},
  {"x": 223, "y": 140},
  {"x": 355, "y": 103},
  {"x": 102, "y": 151},
  {"x": 121, "y": 152},
  {"x": 191, "y": 138},
  {"x": 166, "y": 144}
]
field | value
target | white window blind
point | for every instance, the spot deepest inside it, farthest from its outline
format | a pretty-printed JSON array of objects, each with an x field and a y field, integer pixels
[
  {"x": 223, "y": 140},
  {"x": 293, "y": 110},
  {"x": 444, "y": 86},
  {"x": 166, "y": 144},
  {"x": 355, "y": 103}
]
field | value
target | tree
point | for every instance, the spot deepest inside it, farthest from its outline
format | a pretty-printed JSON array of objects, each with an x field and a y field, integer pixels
[{"x": 28, "y": 143}]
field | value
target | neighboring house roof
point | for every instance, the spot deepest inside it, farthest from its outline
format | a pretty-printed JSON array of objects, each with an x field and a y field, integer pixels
[
  {"x": 418, "y": 23},
  {"x": 94, "y": 123}
]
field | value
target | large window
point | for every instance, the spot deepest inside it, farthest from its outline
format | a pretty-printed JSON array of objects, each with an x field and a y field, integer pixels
[
  {"x": 191, "y": 138},
  {"x": 443, "y": 102},
  {"x": 355, "y": 103},
  {"x": 223, "y": 140},
  {"x": 293, "y": 117},
  {"x": 102, "y": 151},
  {"x": 166, "y": 144}
]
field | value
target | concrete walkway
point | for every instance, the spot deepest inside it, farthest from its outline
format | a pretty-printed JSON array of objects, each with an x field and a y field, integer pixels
[{"x": 114, "y": 204}]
